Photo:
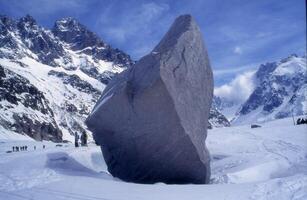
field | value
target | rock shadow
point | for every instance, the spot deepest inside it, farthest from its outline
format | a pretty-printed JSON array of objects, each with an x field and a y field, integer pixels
[{"x": 64, "y": 164}]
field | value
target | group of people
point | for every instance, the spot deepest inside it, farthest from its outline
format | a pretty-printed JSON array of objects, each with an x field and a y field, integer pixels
[
  {"x": 22, "y": 148},
  {"x": 83, "y": 139},
  {"x": 301, "y": 121}
]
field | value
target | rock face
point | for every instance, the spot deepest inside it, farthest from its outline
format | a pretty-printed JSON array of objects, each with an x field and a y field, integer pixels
[
  {"x": 217, "y": 119},
  {"x": 19, "y": 94},
  {"x": 150, "y": 118}
]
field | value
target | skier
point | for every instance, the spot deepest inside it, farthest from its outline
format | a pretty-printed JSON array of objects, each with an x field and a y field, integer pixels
[
  {"x": 26, "y": 148},
  {"x": 13, "y": 149},
  {"x": 76, "y": 139}
]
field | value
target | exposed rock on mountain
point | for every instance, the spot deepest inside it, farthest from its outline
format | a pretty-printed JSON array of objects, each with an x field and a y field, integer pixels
[
  {"x": 24, "y": 109},
  {"x": 81, "y": 39},
  {"x": 217, "y": 119},
  {"x": 150, "y": 119}
]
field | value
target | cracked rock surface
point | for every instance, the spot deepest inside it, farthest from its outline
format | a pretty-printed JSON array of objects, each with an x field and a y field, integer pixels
[{"x": 150, "y": 119}]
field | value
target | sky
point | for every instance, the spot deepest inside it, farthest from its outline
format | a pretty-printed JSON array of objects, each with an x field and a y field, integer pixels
[{"x": 239, "y": 34}]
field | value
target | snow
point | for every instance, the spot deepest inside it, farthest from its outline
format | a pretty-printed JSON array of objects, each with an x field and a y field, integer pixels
[
  {"x": 262, "y": 163},
  {"x": 10, "y": 135},
  {"x": 294, "y": 66}
]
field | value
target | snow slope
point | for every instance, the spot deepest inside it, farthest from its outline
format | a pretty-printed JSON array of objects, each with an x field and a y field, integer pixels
[{"x": 263, "y": 163}]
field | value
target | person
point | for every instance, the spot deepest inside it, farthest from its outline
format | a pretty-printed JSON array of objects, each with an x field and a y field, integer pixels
[
  {"x": 13, "y": 149},
  {"x": 76, "y": 139},
  {"x": 17, "y": 148},
  {"x": 44, "y": 146},
  {"x": 84, "y": 139},
  {"x": 26, "y": 148}
]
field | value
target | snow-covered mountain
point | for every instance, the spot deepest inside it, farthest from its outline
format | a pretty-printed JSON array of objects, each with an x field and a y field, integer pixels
[
  {"x": 51, "y": 79},
  {"x": 280, "y": 91},
  {"x": 226, "y": 106},
  {"x": 216, "y": 118}
]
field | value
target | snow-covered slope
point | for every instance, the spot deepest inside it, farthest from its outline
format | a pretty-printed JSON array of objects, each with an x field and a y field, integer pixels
[
  {"x": 281, "y": 91},
  {"x": 246, "y": 164}
]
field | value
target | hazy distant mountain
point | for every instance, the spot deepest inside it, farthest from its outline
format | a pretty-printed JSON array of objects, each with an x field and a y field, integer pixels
[{"x": 280, "y": 91}]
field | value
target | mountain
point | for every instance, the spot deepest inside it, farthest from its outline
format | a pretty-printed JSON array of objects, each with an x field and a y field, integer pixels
[
  {"x": 226, "y": 106},
  {"x": 280, "y": 91},
  {"x": 217, "y": 119},
  {"x": 51, "y": 79}
]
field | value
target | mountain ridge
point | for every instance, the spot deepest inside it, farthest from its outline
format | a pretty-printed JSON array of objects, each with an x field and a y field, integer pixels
[{"x": 279, "y": 91}]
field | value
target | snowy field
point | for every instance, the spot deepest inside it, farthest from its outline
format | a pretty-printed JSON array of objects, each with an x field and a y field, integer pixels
[{"x": 263, "y": 163}]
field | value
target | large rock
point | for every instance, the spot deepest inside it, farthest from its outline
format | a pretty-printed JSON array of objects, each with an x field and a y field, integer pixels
[{"x": 150, "y": 120}]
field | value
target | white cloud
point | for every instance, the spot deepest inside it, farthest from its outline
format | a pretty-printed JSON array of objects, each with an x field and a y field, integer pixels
[
  {"x": 238, "y": 50},
  {"x": 239, "y": 89}
]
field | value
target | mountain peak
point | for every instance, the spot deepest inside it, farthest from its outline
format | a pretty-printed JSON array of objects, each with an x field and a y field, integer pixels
[
  {"x": 67, "y": 23},
  {"x": 6, "y": 23},
  {"x": 74, "y": 33},
  {"x": 291, "y": 56},
  {"x": 28, "y": 19}
]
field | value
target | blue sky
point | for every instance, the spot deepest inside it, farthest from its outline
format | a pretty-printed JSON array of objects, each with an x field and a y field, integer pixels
[{"x": 239, "y": 34}]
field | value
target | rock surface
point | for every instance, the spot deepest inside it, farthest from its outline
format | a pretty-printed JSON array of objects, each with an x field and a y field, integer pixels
[{"x": 150, "y": 118}]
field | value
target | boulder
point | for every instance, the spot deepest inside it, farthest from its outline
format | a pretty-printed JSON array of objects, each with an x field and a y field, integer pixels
[{"x": 150, "y": 119}]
